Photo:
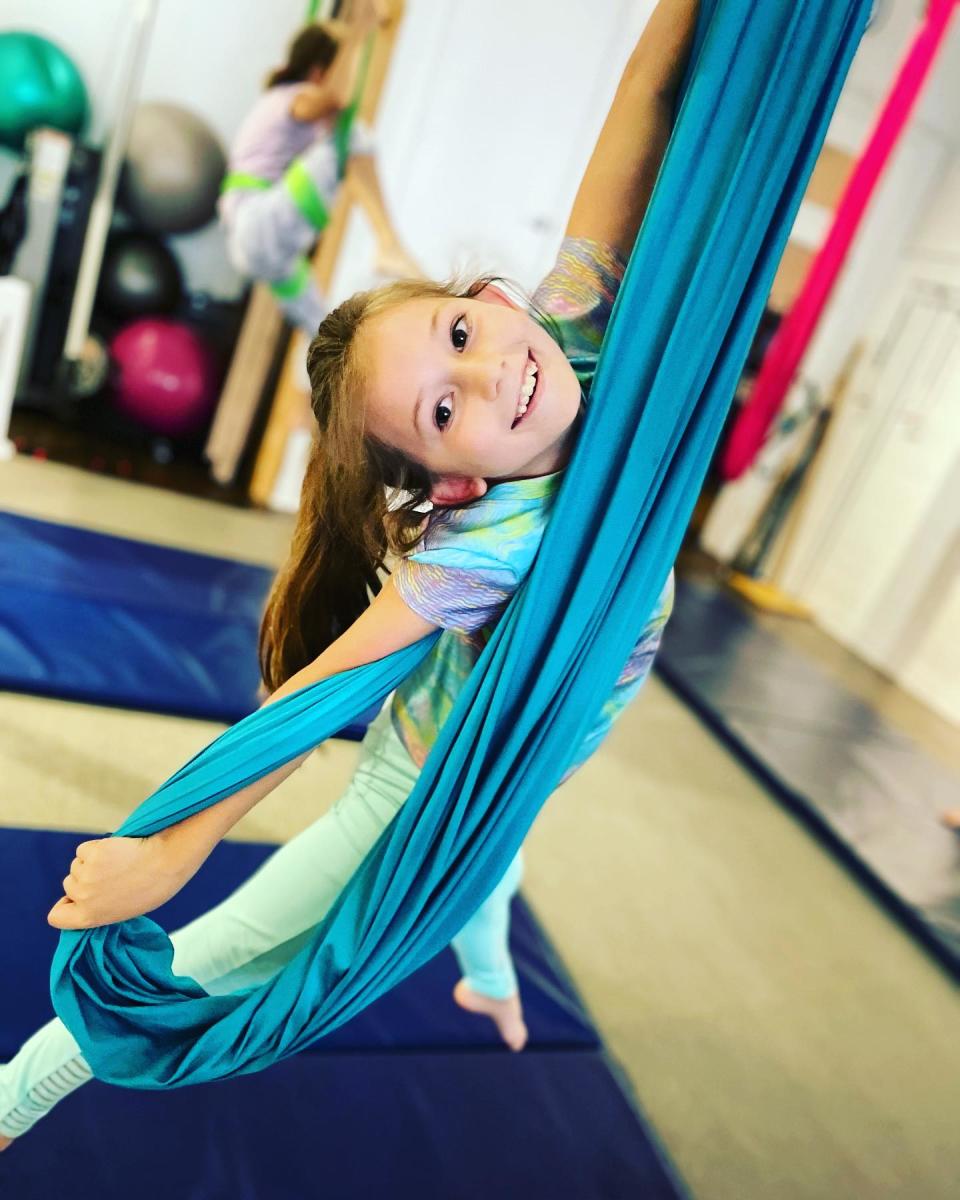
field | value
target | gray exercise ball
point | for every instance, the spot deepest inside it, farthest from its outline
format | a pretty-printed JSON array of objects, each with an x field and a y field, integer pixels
[{"x": 174, "y": 167}]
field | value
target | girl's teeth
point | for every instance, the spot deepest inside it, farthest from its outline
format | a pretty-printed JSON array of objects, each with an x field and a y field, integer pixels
[{"x": 529, "y": 387}]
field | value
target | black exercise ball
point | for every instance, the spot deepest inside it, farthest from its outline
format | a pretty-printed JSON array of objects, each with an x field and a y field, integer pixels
[{"x": 140, "y": 277}]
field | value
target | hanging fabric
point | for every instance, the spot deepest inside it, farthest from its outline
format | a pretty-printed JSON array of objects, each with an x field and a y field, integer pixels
[
  {"x": 793, "y": 336},
  {"x": 762, "y": 83},
  {"x": 343, "y": 128}
]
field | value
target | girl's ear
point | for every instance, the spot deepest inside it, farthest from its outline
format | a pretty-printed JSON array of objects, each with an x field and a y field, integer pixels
[
  {"x": 450, "y": 490},
  {"x": 494, "y": 295}
]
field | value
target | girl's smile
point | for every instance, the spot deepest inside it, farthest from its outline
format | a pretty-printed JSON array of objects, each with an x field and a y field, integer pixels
[{"x": 528, "y": 390}]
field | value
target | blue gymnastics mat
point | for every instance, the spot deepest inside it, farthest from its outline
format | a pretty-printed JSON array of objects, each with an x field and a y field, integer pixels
[
  {"x": 108, "y": 620},
  {"x": 413, "y": 1098},
  {"x": 871, "y": 793}
]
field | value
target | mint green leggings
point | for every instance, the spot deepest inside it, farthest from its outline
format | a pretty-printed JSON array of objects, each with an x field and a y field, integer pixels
[{"x": 249, "y": 936}]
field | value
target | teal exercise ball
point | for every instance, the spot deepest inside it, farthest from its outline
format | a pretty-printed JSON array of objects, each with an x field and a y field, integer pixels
[{"x": 39, "y": 85}]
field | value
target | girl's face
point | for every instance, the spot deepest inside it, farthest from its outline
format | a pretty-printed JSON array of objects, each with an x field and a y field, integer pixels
[{"x": 447, "y": 379}]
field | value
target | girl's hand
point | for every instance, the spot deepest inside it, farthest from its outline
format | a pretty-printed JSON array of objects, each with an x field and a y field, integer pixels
[
  {"x": 115, "y": 878},
  {"x": 368, "y": 14}
]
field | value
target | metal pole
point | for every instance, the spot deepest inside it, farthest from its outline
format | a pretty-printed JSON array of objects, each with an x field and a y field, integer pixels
[{"x": 101, "y": 211}]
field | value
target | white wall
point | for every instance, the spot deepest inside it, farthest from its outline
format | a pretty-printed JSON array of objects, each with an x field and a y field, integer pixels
[{"x": 489, "y": 117}]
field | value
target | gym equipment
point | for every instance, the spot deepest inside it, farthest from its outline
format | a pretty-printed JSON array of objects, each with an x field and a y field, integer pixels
[
  {"x": 802, "y": 731},
  {"x": 754, "y": 108},
  {"x": 166, "y": 377},
  {"x": 290, "y": 408},
  {"x": 140, "y": 277},
  {"x": 174, "y": 165},
  {"x": 101, "y": 208},
  {"x": 90, "y": 369},
  {"x": 255, "y": 360},
  {"x": 40, "y": 86},
  {"x": 13, "y": 222},
  {"x": 55, "y": 197},
  {"x": 14, "y": 315},
  {"x": 109, "y": 620}
]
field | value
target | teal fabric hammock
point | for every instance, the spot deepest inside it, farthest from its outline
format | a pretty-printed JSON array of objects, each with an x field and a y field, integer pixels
[{"x": 762, "y": 83}]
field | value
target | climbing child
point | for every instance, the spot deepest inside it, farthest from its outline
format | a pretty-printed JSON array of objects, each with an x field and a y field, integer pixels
[
  {"x": 462, "y": 399},
  {"x": 288, "y": 160}
]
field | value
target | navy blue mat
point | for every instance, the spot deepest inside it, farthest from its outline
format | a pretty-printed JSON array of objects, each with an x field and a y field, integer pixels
[
  {"x": 418, "y": 1014},
  {"x": 107, "y": 620},
  {"x": 874, "y": 793},
  {"x": 413, "y": 1098},
  {"x": 535, "y": 1126}
]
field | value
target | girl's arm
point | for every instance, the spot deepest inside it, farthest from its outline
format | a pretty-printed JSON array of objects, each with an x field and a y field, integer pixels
[
  {"x": 619, "y": 179},
  {"x": 112, "y": 879},
  {"x": 386, "y": 626},
  {"x": 335, "y": 91}
]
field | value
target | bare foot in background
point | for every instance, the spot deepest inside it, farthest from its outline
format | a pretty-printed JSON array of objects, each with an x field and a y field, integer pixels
[
  {"x": 951, "y": 818},
  {"x": 507, "y": 1014}
]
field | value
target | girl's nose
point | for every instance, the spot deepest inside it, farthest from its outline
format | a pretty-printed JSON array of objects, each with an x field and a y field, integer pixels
[{"x": 483, "y": 378}]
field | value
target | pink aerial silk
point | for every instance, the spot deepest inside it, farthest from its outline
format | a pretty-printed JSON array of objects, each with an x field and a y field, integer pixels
[{"x": 792, "y": 337}]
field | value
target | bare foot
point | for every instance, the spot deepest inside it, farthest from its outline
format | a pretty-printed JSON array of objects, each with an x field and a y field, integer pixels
[
  {"x": 507, "y": 1014},
  {"x": 951, "y": 818},
  {"x": 5, "y": 1142}
]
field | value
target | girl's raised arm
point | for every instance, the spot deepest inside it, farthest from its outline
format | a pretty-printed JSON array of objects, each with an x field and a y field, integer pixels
[{"x": 618, "y": 182}]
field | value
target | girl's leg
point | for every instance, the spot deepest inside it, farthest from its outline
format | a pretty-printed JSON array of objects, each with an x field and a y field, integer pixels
[
  {"x": 270, "y": 232},
  {"x": 248, "y": 937},
  {"x": 47, "y": 1067},
  {"x": 489, "y": 984},
  {"x": 482, "y": 946}
]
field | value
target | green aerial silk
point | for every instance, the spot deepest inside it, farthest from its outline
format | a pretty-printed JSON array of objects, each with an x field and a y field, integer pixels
[
  {"x": 761, "y": 87},
  {"x": 344, "y": 126}
]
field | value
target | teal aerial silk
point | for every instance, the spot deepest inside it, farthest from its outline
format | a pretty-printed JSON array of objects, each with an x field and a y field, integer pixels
[{"x": 761, "y": 86}]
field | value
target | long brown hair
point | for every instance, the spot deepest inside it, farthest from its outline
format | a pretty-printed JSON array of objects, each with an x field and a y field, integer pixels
[
  {"x": 360, "y": 499},
  {"x": 314, "y": 46}
]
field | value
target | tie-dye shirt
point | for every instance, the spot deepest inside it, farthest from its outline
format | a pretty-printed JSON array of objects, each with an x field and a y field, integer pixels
[{"x": 471, "y": 560}]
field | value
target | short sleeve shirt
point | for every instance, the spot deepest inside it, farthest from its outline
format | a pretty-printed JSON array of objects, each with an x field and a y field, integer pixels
[{"x": 472, "y": 559}]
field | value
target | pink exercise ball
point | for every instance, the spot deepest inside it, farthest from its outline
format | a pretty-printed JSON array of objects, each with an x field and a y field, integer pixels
[{"x": 166, "y": 376}]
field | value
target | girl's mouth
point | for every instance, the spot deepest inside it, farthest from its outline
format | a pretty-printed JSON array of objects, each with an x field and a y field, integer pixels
[{"x": 528, "y": 398}]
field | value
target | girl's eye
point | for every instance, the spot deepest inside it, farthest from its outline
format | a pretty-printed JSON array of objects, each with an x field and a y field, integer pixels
[
  {"x": 442, "y": 414},
  {"x": 456, "y": 332}
]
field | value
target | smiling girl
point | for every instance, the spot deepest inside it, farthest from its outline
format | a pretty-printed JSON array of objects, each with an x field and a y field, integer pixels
[{"x": 454, "y": 398}]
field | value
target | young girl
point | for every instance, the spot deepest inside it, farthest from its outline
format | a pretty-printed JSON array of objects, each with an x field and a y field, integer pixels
[
  {"x": 285, "y": 166},
  {"x": 462, "y": 398}
]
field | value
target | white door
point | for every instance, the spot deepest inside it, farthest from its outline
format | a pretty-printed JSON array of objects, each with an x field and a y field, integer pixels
[
  {"x": 488, "y": 118},
  {"x": 878, "y": 552}
]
